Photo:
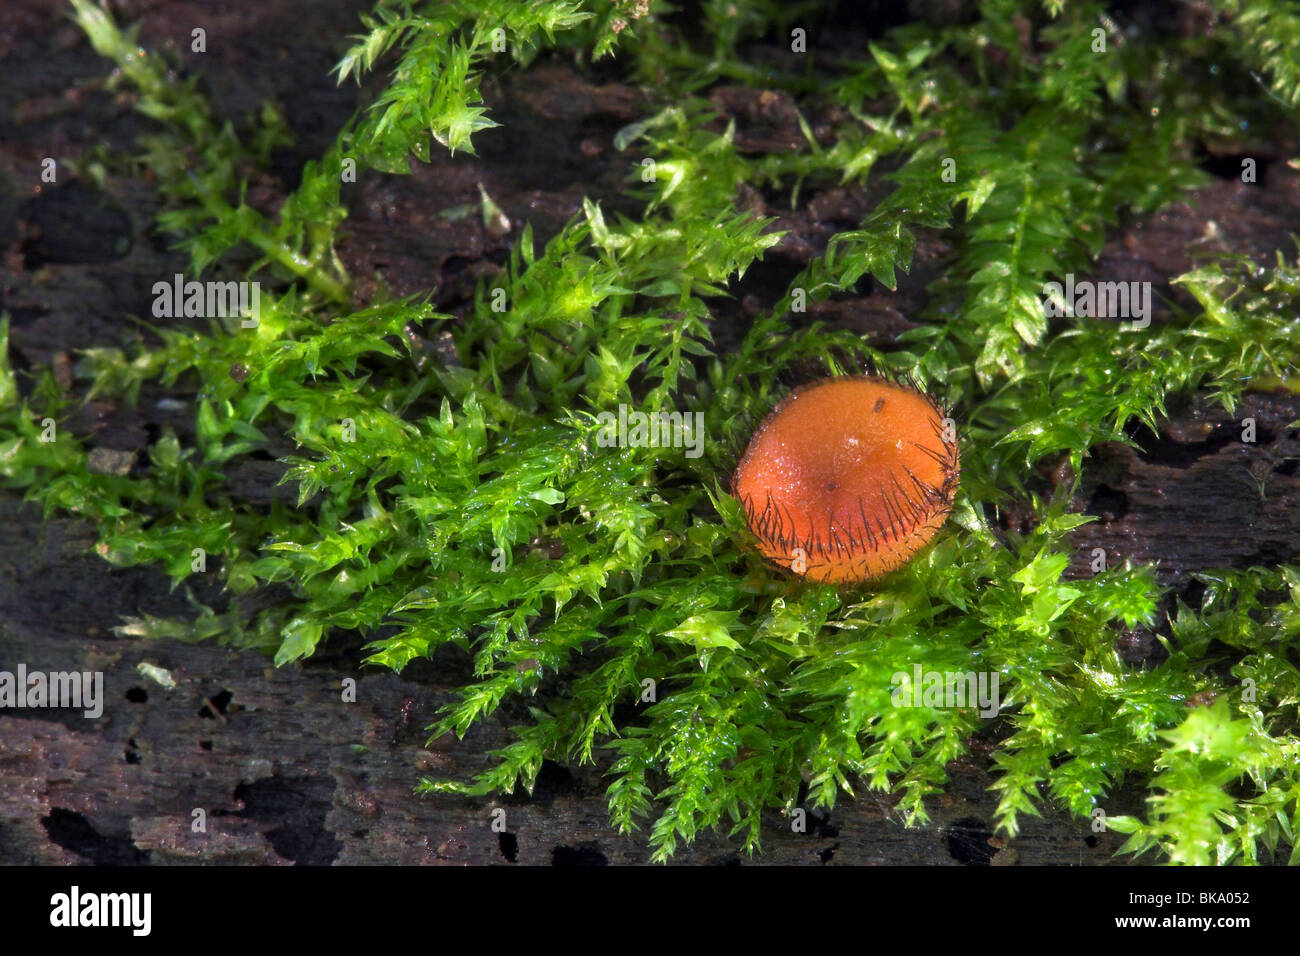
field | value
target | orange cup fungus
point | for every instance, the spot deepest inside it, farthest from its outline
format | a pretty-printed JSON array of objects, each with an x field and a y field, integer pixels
[{"x": 848, "y": 478}]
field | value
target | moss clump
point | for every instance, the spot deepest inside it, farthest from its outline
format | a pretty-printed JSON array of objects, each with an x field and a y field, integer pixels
[{"x": 471, "y": 503}]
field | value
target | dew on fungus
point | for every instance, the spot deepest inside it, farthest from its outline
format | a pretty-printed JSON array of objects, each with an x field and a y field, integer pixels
[{"x": 848, "y": 478}]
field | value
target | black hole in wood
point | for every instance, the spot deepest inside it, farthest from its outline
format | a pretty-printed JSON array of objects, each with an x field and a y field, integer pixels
[
  {"x": 509, "y": 845},
  {"x": 587, "y": 854},
  {"x": 968, "y": 842}
]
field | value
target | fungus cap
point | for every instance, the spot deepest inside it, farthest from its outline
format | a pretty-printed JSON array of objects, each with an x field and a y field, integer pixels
[{"x": 848, "y": 478}]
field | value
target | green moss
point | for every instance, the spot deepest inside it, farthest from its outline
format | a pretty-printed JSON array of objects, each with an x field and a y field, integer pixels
[{"x": 476, "y": 507}]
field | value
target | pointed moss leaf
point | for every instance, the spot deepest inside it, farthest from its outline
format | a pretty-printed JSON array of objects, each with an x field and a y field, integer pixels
[
  {"x": 710, "y": 629},
  {"x": 299, "y": 640}
]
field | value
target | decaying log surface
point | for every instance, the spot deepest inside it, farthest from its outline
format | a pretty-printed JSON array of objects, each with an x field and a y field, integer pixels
[{"x": 283, "y": 769}]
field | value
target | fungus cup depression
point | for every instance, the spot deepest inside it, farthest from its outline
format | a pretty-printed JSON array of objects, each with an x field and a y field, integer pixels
[{"x": 848, "y": 478}]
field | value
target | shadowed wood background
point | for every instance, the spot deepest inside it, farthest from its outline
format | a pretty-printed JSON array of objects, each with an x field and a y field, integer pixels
[{"x": 285, "y": 771}]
